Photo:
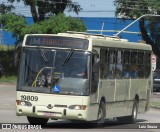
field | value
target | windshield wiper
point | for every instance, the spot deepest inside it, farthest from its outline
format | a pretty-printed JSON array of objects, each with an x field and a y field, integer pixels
[
  {"x": 42, "y": 54},
  {"x": 68, "y": 57}
]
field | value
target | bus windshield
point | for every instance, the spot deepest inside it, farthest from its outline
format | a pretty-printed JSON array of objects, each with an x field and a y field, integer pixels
[{"x": 54, "y": 71}]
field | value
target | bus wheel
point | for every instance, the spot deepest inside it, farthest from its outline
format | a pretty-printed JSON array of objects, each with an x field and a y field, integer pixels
[
  {"x": 133, "y": 117},
  {"x": 37, "y": 121},
  {"x": 101, "y": 114}
]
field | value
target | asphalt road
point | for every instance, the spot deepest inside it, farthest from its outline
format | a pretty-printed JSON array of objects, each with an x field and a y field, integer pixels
[{"x": 8, "y": 116}]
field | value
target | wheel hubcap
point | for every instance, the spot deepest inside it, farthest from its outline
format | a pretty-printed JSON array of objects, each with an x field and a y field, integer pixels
[{"x": 135, "y": 113}]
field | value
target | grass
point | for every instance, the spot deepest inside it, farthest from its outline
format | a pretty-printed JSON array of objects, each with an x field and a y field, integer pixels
[
  {"x": 8, "y": 79},
  {"x": 155, "y": 104},
  {"x": 6, "y": 48}
]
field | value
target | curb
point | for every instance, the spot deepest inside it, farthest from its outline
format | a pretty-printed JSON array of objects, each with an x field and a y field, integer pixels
[
  {"x": 155, "y": 107},
  {"x": 9, "y": 83}
]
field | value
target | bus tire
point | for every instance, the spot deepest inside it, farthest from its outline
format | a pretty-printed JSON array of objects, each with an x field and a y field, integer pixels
[
  {"x": 101, "y": 114},
  {"x": 37, "y": 121},
  {"x": 132, "y": 118}
]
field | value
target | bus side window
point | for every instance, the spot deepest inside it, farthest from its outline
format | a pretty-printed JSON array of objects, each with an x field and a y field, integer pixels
[
  {"x": 147, "y": 63},
  {"x": 133, "y": 66},
  {"x": 126, "y": 64},
  {"x": 112, "y": 61},
  {"x": 141, "y": 64},
  {"x": 119, "y": 61},
  {"x": 104, "y": 64}
]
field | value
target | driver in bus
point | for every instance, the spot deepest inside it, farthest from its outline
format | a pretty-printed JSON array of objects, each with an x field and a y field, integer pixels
[{"x": 79, "y": 71}]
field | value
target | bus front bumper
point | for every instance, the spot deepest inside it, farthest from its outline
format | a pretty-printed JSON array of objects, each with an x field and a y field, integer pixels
[{"x": 54, "y": 112}]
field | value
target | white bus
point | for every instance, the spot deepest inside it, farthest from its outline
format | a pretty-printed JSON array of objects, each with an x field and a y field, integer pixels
[{"x": 82, "y": 77}]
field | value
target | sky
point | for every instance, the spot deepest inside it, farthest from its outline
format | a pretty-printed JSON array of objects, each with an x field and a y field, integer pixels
[{"x": 91, "y": 8}]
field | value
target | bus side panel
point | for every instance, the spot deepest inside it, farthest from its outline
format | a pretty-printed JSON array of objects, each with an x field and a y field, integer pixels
[
  {"x": 107, "y": 90},
  {"x": 122, "y": 96},
  {"x": 116, "y": 93}
]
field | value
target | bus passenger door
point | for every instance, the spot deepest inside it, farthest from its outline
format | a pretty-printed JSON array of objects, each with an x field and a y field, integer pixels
[
  {"x": 95, "y": 79},
  {"x": 94, "y": 86}
]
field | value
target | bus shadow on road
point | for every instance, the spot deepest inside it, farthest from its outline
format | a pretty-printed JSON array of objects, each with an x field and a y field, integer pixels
[{"x": 109, "y": 124}]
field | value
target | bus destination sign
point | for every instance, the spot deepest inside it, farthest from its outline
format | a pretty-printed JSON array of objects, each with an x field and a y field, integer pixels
[{"x": 56, "y": 41}]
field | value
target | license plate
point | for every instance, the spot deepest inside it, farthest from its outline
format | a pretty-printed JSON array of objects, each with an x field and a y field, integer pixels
[{"x": 48, "y": 114}]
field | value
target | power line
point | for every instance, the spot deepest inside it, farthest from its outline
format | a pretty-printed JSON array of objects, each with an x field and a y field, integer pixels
[
  {"x": 102, "y": 5},
  {"x": 131, "y": 7},
  {"x": 135, "y": 1},
  {"x": 96, "y": 3}
]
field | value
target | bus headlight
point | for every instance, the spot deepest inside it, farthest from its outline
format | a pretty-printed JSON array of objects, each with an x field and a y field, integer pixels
[
  {"x": 23, "y": 103},
  {"x": 77, "y": 107}
]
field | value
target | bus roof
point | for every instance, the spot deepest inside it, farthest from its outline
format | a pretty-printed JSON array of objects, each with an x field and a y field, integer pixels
[
  {"x": 121, "y": 44},
  {"x": 99, "y": 40}
]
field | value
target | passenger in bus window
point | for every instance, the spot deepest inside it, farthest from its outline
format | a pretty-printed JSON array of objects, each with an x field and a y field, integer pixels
[
  {"x": 133, "y": 71},
  {"x": 126, "y": 71},
  {"x": 48, "y": 80},
  {"x": 112, "y": 71},
  {"x": 118, "y": 70}
]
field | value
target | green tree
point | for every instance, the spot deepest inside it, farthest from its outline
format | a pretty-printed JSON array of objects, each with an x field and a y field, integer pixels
[
  {"x": 149, "y": 27},
  {"x": 55, "y": 24},
  {"x": 14, "y": 23},
  {"x": 42, "y": 8},
  {"x": 5, "y": 8}
]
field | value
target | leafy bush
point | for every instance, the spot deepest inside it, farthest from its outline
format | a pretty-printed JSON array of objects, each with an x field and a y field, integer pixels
[
  {"x": 7, "y": 61},
  {"x": 52, "y": 25}
]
